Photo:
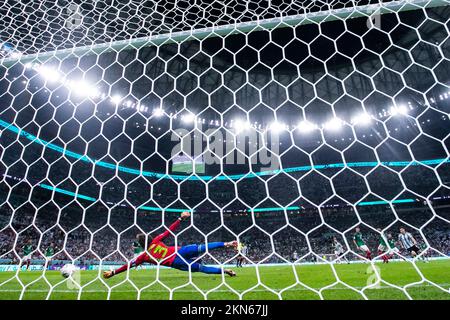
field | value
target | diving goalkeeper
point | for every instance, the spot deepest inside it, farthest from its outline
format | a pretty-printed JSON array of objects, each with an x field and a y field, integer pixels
[{"x": 175, "y": 257}]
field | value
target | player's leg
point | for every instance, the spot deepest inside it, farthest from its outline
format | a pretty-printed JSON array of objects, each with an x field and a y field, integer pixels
[
  {"x": 381, "y": 252},
  {"x": 367, "y": 251},
  {"x": 342, "y": 256},
  {"x": 24, "y": 262},
  {"x": 396, "y": 251},
  {"x": 194, "y": 250},
  {"x": 426, "y": 256},
  {"x": 392, "y": 254},
  {"x": 412, "y": 252},
  {"x": 345, "y": 258},
  {"x": 337, "y": 255},
  {"x": 417, "y": 253},
  {"x": 192, "y": 266}
]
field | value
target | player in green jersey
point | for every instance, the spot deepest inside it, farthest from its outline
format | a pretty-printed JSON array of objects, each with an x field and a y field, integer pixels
[
  {"x": 49, "y": 253},
  {"x": 360, "y": 244},
  {"x": 27, "y": 250},
  {"x": 339, "y": 250},
  {"x": 393, "y": 249}
]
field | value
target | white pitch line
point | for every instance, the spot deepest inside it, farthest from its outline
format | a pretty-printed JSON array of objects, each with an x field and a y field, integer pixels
[{"x": 299, "y": 288}]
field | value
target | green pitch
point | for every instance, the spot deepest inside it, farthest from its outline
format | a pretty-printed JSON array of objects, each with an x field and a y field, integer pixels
[{"x": 290, "y": 282}]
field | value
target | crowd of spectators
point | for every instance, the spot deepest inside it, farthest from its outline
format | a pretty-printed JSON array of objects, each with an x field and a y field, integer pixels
[
  {"x": 271, "y": 237},
  {"x": 322, "y": 204}
]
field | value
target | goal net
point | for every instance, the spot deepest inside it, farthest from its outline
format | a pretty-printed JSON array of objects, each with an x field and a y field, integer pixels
[{"x": 314, "y": 133}]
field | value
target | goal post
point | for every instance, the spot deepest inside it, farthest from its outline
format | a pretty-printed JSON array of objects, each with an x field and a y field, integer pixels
[{"x": 224, "y": 30}]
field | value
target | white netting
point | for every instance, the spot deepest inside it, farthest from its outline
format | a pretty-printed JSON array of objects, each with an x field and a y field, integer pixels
[{"x": 299, "y": 120}]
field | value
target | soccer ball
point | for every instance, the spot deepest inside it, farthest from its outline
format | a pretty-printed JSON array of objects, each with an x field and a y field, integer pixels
[{"x": 68, "y": 270}]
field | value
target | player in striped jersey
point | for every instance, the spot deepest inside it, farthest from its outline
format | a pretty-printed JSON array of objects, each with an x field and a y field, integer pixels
[
  {"x": 408, "y": 242},
  {"x": 339, "y": 250}
]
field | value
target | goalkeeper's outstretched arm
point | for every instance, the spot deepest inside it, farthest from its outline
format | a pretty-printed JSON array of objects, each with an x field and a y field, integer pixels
[
  {"x": 134, "y": 263},
  {"x": 174, "y": 226}
]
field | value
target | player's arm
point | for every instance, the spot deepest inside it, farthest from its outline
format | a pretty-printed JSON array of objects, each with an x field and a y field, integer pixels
[
  {"x": 138, "y": 261},
  {"x": 172, "y": 227}
]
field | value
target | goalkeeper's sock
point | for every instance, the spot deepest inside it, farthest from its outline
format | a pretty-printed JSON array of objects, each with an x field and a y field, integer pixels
[
  {"x": 211, "y": 246},
  {"x": 209, "y": 269}
]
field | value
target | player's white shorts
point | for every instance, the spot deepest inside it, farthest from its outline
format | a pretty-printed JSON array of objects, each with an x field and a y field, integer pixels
[
  {"x": 364, "y": 248},
  {"x": 381, "y": 248},
  {"x": 394, "y": 250},
  {"x": 338, "y": 252},
  {"x": 26, "y": 258}
]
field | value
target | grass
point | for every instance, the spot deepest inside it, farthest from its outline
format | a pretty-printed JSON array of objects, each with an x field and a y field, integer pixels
[{"x": 399, "y": 280}]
